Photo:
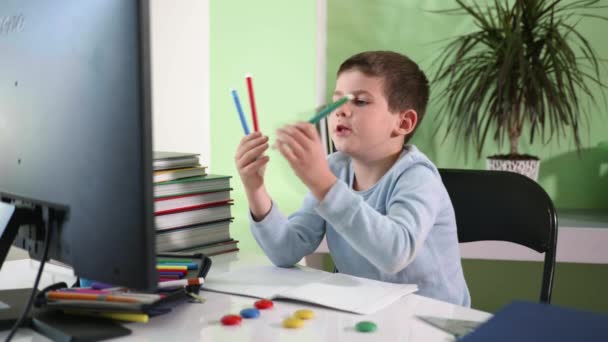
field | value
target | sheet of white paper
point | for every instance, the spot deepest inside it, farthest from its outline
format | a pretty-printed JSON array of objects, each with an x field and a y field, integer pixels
[
  {"x": 262, "y": 281},
  {"x": 348, "y": 293},
  {"x": 338, "y": 291}
]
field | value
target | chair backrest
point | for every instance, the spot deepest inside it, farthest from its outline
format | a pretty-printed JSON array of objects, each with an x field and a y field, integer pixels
[{"x": 504, "y": 206}]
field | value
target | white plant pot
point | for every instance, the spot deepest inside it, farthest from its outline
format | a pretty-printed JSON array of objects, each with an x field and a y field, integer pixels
[{"x": 526, "y": 167}]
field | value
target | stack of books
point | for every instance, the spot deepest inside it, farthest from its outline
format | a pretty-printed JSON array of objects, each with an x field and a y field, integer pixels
[{"x": 191, "y": 207}]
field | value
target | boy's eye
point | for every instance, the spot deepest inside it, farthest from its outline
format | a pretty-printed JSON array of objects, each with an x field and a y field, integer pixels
[{"x": 360, "y": 102}]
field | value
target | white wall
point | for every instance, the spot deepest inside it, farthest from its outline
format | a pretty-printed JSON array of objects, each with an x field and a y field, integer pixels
[
  {"x": 321, "y": 65},
  {"x": 180, "y": 76}
]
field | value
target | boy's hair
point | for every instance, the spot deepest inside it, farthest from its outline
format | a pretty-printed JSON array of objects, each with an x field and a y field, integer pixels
[{"x": 405, "y": 85}]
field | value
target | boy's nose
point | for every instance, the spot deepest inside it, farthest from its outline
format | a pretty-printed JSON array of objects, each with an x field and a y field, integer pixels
[{"x": 343, "y": 110}]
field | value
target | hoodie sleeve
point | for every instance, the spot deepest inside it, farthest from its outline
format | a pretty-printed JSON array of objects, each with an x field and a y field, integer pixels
[
  {"x": 286, "y": 240},
  {"x": 390, "y": 241}
]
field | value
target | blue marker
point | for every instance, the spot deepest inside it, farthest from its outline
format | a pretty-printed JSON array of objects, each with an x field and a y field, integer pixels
[{"x": 237, "y": 103}]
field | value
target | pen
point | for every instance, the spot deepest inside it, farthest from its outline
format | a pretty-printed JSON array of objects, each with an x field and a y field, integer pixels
[
  {"x": 138, "y": 295},
  {"x": 174, "y": 275},
  {"x": 333, "y": 106},
  {"x": 84, "y": 290},
  {"x": 162, "y": 278},
  {"x": 165, "y": 260},
  {"x": 181, "y": 282},
  {"x": 164, "y": 270},
  {"x": 172, "y": 267},
  {"x": 101, "y": 286},
  {"x": 58, "y": 295},
  {"x": 121, "y": 316},
  {"x": 120, "y": 293},
  {"x": 189, "y": 265}
]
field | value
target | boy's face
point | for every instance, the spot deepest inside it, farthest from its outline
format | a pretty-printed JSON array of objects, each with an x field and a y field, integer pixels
[{"x": 364, "y": 128}]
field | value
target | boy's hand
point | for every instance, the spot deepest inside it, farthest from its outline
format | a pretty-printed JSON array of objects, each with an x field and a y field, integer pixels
[
  {"x": 250, "y": 161},
  {"x": 301, "y": 146}
]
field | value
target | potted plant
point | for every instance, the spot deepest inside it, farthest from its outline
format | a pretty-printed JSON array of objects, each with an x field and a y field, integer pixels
[{"x": 526, "y": 68}]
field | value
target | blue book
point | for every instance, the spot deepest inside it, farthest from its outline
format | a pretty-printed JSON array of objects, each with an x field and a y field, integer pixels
[{"x": 524, "y": 321}]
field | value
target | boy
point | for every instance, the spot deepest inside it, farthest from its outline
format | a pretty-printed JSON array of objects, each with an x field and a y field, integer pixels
[{"x": 380, "y": 202}]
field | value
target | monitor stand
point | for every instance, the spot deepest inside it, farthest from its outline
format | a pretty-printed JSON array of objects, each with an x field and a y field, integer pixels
[
  {"x": 45, "y": 218},
  {"x": 13, "y": 216},
  {"x": 12, "y": 302}
]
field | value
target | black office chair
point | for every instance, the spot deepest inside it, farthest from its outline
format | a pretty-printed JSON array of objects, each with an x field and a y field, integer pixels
[{"x": 505, "y": 206}]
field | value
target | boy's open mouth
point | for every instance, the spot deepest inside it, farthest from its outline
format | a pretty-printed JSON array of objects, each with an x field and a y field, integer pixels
[{"x": 342, "y": 129}]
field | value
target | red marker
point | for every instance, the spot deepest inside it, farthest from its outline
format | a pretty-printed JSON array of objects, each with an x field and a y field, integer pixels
[{"x": 254, "y": 114}]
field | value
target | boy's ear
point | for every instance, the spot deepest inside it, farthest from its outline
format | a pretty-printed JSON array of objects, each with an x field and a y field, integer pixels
[{"x": 408, "y": 119}]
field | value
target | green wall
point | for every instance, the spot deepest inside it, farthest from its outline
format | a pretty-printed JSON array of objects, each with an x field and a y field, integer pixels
[
  {"x": 276, "y": 43},
  {"x": 494, "y": 283},
  {"x": 411, "y": 28}
]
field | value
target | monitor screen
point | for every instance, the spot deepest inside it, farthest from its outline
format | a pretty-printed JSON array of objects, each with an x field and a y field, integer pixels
[{"x": 75, "y": 129}]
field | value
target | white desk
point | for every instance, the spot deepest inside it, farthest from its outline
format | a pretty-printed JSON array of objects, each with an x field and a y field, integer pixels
[{"x": 200, "y": 322}]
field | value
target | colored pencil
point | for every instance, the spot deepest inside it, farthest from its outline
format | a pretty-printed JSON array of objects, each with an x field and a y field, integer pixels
[
  {"x": 172, "y": 267},
  {"x": 181, "y": 282},
  {"x": 119, "y": 316},
  {"x": 189, "y": 265},
  {"x": 164, "y": 260},
  {"x": 171, "y": 275},
  {"x": 59, "y": 295},
  {"x": 101, "y": 286}
]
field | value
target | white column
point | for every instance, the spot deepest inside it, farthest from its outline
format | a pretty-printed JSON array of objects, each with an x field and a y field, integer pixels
[{"x": 180, "y": 76}]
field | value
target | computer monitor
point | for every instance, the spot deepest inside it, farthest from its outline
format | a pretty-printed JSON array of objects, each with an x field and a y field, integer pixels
[{"x": 75, "y": 130}]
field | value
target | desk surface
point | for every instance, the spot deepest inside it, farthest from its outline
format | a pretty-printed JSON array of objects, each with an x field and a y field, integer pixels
[{"x": 191, "y": 322}]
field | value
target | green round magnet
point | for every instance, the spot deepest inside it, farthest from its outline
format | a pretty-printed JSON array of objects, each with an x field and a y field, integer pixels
[{"x": 366, "y": 326}]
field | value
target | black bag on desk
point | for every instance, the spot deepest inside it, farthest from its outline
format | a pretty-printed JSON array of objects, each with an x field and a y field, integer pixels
[{"x": 49, "y": 319}]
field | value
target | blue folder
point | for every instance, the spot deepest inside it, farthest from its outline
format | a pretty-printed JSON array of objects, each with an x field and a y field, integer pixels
[{"x": 523, "y": 321}]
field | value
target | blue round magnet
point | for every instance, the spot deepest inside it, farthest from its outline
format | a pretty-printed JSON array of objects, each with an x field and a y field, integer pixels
[{"x": 250, "y": 313}]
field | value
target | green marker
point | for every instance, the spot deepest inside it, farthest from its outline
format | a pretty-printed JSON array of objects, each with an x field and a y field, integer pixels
[{"x": 315, "y": 119}]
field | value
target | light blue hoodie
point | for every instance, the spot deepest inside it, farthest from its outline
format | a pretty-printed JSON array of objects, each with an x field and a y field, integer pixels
[{"x": 401, "y": 230}]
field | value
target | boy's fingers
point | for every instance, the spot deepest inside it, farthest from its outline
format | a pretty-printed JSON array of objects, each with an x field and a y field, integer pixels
[
  {"x": 307, "y": 129},
  {"x": 248, "y": 145},
  {"x": 254, "y": 153},
  {"x": 286, "y": 139},
  {"x": 286, "y": 152},
  {"x": 253, "y": 167},
  {"x": 297, "y": 134},
  {"x": 255, "y": 141},
  {"x": 251, "y": 155},
  {"x": 251, "y": 136}
]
